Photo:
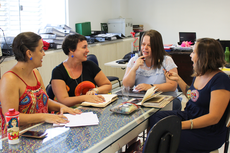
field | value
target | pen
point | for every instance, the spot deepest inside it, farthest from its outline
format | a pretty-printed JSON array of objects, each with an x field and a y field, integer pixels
[{"x": 164, "y": 68}]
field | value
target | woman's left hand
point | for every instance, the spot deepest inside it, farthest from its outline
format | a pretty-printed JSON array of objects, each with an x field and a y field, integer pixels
[
  {"x": 143, "y": 87},
  {"x": 65, "y": 109},
  {"x": 91, "y": 92}
]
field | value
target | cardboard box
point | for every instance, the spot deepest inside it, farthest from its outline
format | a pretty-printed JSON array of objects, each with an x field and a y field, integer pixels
[{"x": 83, "y": 28}]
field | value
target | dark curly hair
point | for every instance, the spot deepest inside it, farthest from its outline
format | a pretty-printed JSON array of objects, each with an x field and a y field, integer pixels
[{"x": 70, "y": 42}]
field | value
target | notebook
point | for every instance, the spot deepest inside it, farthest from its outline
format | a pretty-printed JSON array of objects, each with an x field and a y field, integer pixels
[{"x": 132, "y": 93}]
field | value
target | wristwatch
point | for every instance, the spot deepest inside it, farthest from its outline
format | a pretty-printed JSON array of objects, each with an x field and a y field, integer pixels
[{"x": 152, "y": 85}]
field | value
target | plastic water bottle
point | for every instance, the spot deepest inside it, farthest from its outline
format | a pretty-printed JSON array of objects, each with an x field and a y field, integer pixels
[
  {"x": 227, "y": 55},
  {"x": 12, "y": 119}
]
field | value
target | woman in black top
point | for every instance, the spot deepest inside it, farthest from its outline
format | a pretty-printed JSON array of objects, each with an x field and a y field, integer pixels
[{"x": 77, "y": 80}]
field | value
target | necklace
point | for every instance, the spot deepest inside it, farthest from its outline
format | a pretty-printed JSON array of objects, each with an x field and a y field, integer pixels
[
  {"x": 77, "y": 82},
  {"x": 76, "y": 78}
]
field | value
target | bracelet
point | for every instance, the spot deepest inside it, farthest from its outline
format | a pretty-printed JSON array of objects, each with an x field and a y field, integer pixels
[
  {"x": 96, "y": 90},
  {"x": 191, "y": 124}
]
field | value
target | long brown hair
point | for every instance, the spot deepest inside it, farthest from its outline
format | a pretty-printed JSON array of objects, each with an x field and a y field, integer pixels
[
  {"x": 210, "y": 56},
  {"x": 157, "y": 47}
]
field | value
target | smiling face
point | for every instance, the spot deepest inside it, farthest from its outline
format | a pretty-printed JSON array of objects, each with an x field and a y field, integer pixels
[
  {"x": 81, "y": 50},
  {"x": 145, "y": 46},
  {"x": 38, "y": 54}
]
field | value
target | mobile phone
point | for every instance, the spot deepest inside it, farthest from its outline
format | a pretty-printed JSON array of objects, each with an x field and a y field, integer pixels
[{"x": 34, "y": 134}]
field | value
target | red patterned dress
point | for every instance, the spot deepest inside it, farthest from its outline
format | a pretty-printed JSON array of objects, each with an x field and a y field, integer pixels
[{"x": 33, "y": 100}]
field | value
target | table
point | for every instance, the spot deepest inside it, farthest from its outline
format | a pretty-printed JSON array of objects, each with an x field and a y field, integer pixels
[
  {"x": 115, "y": 64},
  {"x": 113, "y": 132}
]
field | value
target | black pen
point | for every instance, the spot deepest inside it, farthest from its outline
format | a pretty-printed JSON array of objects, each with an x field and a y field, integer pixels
[{"x": 164, "y": 68}]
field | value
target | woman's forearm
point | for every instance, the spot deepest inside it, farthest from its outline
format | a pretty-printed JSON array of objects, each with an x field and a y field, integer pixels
[
  {"x": 129, "y": 78},
  {"x": 183, "y": 85},
  {"x": 104, "y": 89}
]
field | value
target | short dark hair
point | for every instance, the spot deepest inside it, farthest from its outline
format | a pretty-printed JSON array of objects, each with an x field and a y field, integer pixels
[
  {"x": 23, "y": 42},
  {"x": 210, "y": 56},
  {"x": 157, "y": 47},
  {"x": 71, "y": 41}
]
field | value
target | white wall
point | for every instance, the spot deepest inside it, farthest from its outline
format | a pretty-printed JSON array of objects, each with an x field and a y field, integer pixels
[
  {"x": 94, "y": 11},
  {"x": 208, "y": 18}
]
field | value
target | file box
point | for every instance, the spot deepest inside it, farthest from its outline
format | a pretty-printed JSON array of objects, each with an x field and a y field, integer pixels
[{"x": 83, "y": 28}]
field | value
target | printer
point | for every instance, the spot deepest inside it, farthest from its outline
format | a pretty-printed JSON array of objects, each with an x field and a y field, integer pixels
[{"x": 120, "y": 25}]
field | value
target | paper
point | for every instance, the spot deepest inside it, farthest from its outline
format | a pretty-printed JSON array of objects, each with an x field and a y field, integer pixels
[
  {"x": 83, "y": 119},
  {"x": 150, "y": 93},
  {"x": 154, "y": 99}
]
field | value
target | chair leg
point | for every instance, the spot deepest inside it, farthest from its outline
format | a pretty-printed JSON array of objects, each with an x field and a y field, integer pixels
[
  {"x": 119, "y": 82},
  {"x": 227, "y": 141}
]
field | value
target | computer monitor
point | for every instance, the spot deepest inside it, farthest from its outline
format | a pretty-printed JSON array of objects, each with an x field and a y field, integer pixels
[
  {"x": 225, "y": 43},
  {"x": 187, "y": 36}
]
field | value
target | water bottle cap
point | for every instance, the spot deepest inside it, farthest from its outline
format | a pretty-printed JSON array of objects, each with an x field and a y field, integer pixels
[{"x": 12, "y": 112}]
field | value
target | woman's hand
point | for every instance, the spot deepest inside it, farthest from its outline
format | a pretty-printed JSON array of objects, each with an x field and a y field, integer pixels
[
  {"x": 65, "y": 109},
  {"x": 54, "y": 118},
  {"x": 171, "y": 75},
  {"x": 139, "y": 62},
  {"x": 143, "y": 87},
  {"x": 94, "y": 98}
]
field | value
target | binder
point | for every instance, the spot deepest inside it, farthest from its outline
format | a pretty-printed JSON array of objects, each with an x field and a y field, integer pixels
[{"x": 51, "y": 30}]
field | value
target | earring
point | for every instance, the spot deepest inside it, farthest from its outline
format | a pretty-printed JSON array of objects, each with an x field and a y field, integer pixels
[
  {"x": 72, "y": 56},
  {"x": 31, "y": 58}
]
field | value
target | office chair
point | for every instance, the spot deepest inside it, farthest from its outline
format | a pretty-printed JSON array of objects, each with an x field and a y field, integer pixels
[
  {"x": 93, "y": 58},
  {"x": 164, "y": 136},
  {"x": 49, "y": 91}
]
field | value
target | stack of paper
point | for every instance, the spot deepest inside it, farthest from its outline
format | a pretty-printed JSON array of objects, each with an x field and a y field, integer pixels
[
  {"x": 83, "y": 119},
  {"x": 55, "y": 35}
]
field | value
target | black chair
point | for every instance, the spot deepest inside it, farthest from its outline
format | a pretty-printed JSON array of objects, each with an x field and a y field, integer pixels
[
  {"x": 93, "y": 58},
  {"x": 226, "y": 143},
  {"x": 164, "y": 136},
  {"x": 49, "y": 91}
]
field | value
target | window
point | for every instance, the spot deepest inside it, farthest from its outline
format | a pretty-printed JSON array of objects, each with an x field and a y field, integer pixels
[{"x": 30, "y": 15}]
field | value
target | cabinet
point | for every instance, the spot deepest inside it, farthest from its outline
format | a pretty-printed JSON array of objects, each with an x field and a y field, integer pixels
[
  {"x": 105, "y": 52},
  {"x": 184, "y": 65}
]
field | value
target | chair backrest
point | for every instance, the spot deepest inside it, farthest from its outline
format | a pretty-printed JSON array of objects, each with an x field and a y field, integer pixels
[
  {"x": 164, "y": 136},
  {"x": 228, "y": 116},
  {"x": 49, "y": 91},
  {"x": 93, "y": 58}
]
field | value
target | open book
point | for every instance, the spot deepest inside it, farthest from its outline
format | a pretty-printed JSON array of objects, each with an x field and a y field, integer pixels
[
  {"x": 108, "y": 99},
  {"x": 154, "y": 99}
]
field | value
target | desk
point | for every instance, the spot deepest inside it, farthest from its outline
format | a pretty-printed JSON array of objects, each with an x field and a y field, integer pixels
[
  {"x": 115, "y": 64},
  {"x": 113, "y": 132}
]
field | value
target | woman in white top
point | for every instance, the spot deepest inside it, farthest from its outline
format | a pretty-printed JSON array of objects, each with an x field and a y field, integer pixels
[{"x": 146, "y": 71}]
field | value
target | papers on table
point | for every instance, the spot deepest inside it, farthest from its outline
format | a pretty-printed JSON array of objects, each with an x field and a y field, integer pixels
[{"x": 83, "y": 119}]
